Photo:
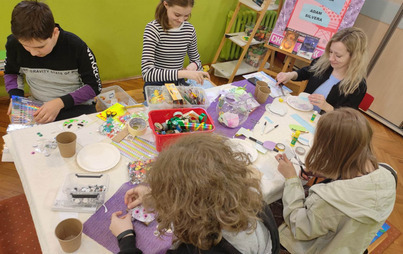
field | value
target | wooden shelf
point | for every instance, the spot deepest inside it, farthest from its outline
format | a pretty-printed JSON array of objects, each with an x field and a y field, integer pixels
[
  {"x": 225, "y": 69},
  {"x": 237, "y": 39},
  {"x": 238, "y": 67},
  {"x": 269, "y": 47}
]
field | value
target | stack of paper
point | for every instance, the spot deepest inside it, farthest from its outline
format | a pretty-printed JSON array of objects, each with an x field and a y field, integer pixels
[{"x": 275, "y": 89}]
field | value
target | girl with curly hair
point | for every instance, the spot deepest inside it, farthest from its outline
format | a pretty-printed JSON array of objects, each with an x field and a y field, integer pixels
[{"x": 210, "y": 197}]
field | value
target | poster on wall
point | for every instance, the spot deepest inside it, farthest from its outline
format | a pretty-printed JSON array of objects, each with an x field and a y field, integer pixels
[{"x": 315, "y": 21}]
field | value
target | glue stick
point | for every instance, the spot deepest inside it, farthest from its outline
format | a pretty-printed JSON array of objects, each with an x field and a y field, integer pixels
[
  {"x": 314, "y": 116},
  {"x": 295, "y": 138}
]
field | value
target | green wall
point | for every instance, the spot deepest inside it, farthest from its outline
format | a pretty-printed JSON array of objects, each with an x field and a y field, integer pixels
[{"x": 113, "y": 29}]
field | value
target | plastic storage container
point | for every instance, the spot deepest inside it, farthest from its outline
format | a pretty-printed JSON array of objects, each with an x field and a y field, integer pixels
[
  {"x": 161, "y": 115},
  {"x": 158, "y": 97},
  {"x": 111, "y": 95},
  {"x": 82, "y": 193}
]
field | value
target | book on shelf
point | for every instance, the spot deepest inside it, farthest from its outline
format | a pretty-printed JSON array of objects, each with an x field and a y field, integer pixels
[
  {"x": 290, "y": 40},
  {"x": 308, "y": 47}
]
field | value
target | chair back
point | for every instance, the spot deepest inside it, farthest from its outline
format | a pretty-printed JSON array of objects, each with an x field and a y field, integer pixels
[{"x": 366, "y": 102}]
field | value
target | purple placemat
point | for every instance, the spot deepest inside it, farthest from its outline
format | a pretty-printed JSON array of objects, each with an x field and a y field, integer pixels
[
  {"x": 253, "y": 118},
  {"x": 97, "y": 227}
]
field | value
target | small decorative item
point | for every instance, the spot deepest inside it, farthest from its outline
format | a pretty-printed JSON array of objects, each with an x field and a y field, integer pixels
[
  {"x": 138, "y": 170},
  {"x": 139, "y": 213}
]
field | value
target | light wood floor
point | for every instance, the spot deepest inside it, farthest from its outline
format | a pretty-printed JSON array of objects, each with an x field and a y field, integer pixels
[{"x": 387, "y": 144}]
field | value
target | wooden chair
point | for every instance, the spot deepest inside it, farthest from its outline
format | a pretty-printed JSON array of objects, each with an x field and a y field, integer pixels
[{"x": 366, "y": 102}]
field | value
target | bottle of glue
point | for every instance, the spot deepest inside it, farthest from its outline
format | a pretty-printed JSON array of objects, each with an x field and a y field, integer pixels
[
  {"x": 295, "y": 138},
  {"x": 314, "y": 116}
]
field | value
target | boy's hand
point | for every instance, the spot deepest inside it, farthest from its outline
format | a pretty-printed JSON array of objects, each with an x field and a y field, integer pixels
[
  {"x": 119, "y": 225},
  {"x": 134, "y": 197},
  {"x": 48, "y": 111}
]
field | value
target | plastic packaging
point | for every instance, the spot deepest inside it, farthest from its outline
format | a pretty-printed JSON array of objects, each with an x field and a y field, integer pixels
[
  {"x": 158, "y": 97},
  {"x": 111, "y": 95},
  {"x": 82, "y": 193}
]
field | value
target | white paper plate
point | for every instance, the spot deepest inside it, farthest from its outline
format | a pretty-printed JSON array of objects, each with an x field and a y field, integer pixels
[
  {"x": 299, "y": 103},
  {"x": 241, "y": 145},
  {"x": 98, "y": 157},
  {"x": 277, "y": 107}
]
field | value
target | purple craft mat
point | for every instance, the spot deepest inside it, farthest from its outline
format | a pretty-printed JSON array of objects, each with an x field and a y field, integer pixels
[
  {"x": 97, "y": 227},
  {"x": 253, "y": 118}
]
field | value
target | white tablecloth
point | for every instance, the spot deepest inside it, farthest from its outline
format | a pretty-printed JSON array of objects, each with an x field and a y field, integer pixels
[{"x": 42, "y": 176}]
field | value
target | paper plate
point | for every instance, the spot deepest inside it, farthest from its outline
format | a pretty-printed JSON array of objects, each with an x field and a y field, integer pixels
[
  {"x": 299, "y": 103},
  {"x": 241, "y": 145},
  {"x": 98, "y": 157},
  {"x": 277, "y": 107}
]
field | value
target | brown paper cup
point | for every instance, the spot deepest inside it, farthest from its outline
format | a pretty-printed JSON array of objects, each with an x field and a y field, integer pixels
[
  {"x": 69, "y": 232},
  {"x": 66, "y": 141},
  {"x": 263, "y": 94},
  {"x": 259, "y": 84}
]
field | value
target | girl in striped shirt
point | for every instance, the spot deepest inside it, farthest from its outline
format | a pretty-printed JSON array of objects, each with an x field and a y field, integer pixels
[{"x": 166, "y": 41}]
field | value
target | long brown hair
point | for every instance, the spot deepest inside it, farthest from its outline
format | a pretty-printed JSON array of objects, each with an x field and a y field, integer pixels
[
  {"x": 355, "y": 41},
  {"x": 161, "y": 12},
  {"x": 342, "y": 145},
  {"x": 32, "y": 20},
  {"x": 199, "y": 186}
]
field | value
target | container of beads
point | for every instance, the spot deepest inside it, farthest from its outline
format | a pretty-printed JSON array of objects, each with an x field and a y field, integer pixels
[
  {"x": 170, "y": 124},
  {"x": 82, "y": 192},
  {"x": 138, "y": 170}
]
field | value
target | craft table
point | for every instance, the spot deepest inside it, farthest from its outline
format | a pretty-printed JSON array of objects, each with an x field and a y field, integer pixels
[
  {"x": 272, "y": 180},
  {"x": 42, "y": 176}
]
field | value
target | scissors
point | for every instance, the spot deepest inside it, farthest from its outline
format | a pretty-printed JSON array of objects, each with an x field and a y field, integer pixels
[{"x": 110, "y": 113}]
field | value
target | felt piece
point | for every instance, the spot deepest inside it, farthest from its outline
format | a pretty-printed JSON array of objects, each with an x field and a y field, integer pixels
[{"x": 97, "y": 227}]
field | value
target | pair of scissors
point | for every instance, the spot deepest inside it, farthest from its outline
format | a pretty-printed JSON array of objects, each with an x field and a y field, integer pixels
[{"x": 110, "y": 113}]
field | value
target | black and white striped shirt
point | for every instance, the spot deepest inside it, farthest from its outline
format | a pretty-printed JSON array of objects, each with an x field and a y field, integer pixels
[{"x": 164, "y": 51}]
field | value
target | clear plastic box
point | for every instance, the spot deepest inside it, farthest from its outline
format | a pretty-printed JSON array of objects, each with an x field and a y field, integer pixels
[
  {"x": 82, "y": 193},
  {"x": 158, "y": 97},
  {"x": 111, "y": 95}
]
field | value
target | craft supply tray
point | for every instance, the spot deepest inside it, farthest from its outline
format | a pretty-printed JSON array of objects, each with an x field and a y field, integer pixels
[
  {"x": 82, "y": 192},
  {"x": 165, "y": 101},
  {"x": 161, "y": 115},
  {"x": 113, "y": 94}
]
